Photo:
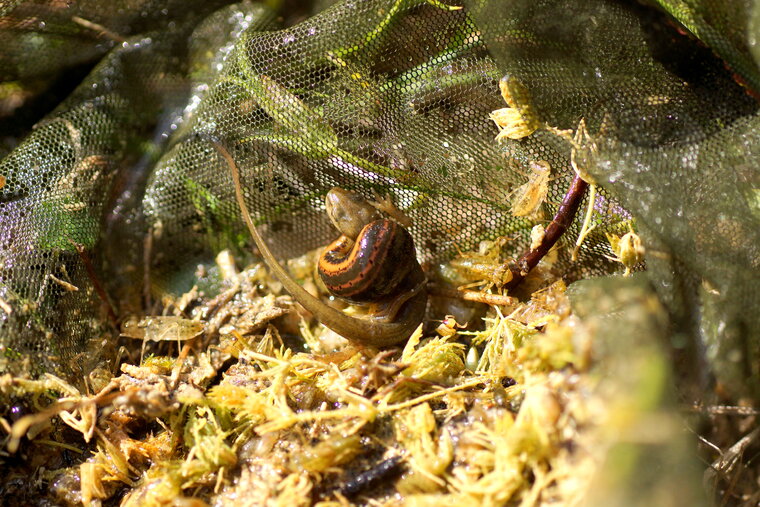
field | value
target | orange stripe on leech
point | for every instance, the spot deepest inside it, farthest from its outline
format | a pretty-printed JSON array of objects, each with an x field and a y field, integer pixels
[
  {"x": 362, "y": 280},
  {"x": 333, "y": 269},
  {"x": 384, "y": 235}
]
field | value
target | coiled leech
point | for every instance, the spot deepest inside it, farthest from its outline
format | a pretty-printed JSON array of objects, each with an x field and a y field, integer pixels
[{"x": 403, "y": 312}]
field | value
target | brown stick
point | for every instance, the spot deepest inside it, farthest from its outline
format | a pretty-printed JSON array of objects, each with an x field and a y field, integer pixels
[
  {"x": 99, "y": 290},
  {"x": 561, "y": 221},
  {"x": 147, "y": 252}
]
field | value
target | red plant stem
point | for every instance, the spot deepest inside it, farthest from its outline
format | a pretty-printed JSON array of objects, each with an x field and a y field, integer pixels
[{"x": 561, "y": 221}]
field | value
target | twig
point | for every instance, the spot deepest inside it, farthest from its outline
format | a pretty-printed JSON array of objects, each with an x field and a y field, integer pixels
[
  {"x": 95, "y": 281},
  {"x": 5, "y": 306},
  {"x": 69, "y": 287},
  {"x": 100, "y": 29},
  {"x": 561, "y": 221},
  {"x": 728, "y": 459},
  {"x": 147, "y": 252}
]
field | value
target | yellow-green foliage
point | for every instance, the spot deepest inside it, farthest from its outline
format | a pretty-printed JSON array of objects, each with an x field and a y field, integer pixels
[
  {"x": 489, "y": 434},
  {"x": 335, "y": 450}
]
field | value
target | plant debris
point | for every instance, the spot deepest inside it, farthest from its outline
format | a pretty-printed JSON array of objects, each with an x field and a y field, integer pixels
[{"x": 505, "y": 412}]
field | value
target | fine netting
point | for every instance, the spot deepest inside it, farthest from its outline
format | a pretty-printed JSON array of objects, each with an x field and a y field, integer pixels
[
  {"x": 76, "y": 181},
  {"x": 391, "y": 97}
]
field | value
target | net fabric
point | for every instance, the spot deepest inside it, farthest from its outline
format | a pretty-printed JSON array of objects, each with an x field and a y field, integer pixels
[
  {"x": 711, "y": 274},
  {"x": 674, "y": 144},
  {"x": 391, "y": 97},
  {"x": 396, "y": 102},
  {"x": 67, "y": 184}
]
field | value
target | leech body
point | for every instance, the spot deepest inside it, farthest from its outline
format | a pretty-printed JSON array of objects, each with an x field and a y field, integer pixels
[
  {"x": 365, "y": 264},
  {"x": 373, "y": 264}
]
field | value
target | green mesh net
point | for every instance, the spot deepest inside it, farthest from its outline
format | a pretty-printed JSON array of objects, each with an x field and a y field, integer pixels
[
  {"x": 117, "y": 195},
  {"x": 391, "y": 97}
]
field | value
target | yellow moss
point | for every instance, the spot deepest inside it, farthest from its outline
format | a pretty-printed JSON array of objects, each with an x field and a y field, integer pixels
[
  {"x": 436, "y": 360},
  {"x": 209, "y": 453},
  {"x": 281, "y": 421},
  {"x": 331, "y": 452},
  {"x": 429, "y": 455},
  {"x": 161, "y": 484},
  {"x": 550, "y": 350},
  {"x": 160, "y": 365},
  {"x": 247, "y": 406},
  {"x": 502, "y": 338}
]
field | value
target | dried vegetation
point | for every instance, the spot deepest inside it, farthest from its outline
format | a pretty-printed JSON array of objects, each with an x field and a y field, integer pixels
[{"x": 264, "y": 407}]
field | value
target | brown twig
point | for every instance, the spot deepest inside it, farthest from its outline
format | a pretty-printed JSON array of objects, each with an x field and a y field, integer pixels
[
  {"x": 561, "y": 221},
  {"x": 147, "y": 252},
  {"x": 95, "y": 281},
  {"x": 100, "y": 30},
  {"x": 472, "y": 295}
]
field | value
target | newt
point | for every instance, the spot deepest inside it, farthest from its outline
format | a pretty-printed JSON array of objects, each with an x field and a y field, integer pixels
[{"x": 372, "y": 263}]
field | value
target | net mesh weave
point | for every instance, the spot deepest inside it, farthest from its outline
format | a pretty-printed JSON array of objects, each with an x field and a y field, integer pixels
[{"x": 378, "y": 96}]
